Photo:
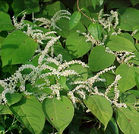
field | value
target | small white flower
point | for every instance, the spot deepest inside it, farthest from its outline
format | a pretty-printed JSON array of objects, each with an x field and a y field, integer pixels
[
  {"x": 108, "y": 20},
  {"x": 46, "y": 49},
  {"x": 52, "y": 22}
]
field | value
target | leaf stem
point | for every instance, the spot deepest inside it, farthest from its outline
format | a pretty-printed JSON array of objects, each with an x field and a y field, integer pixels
[{"x": 89, "y": 18}]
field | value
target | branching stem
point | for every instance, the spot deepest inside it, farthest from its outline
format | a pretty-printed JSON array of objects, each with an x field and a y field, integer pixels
[{"x": 89, "y": 18}]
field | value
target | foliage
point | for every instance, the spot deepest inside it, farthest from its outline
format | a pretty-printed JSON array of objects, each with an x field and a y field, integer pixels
[{"x": 69, "y": 66}]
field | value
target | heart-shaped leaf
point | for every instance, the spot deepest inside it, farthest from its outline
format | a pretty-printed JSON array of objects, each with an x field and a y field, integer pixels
[
  {"x": 17, "y": 48},
  {"x": 95, "y": 30},
  {"x": 59, "y": 112},
  {"x": 29, "y": 112},
  {"x": 13, "y": 98},
  {"x": 129, "y": 19},
  {"x": 77, "y": 45},
  {"x": 128, "y": 121},
  {"x": 100, "y": 107},
  {"x": 5, "y": 22},
  {"x": 99, "y": 59},
  {"x": 127, "y": 80},
  {"x": 74, "y": 20},
  {"x": 119, "y": 43}
]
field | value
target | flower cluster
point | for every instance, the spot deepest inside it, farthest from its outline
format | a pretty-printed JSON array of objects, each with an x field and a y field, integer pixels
[
  {"x": 31, "y": 30},
  {"x": 19, "y": 25},
  {"x": 90, "y": 38},
  {"x": 52, "y": 22},
  {"x": 38, "y": 35},
  {"x": 87, "y": 87},
  {"x": 122, "y": 56},
  {"x": 42, "y": 72},
  {"x": 108, "y": 20},
  {"x": 53, "y": 68}
]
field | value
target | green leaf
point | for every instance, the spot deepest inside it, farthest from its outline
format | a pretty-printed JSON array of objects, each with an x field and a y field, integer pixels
[
  {"x": 17, "y": 48},
  {"x": 127, "y": 36},
  {"x": 129, "y": 97},
  {"x": 29, "y": 112},
  {"x": 96, "y": 131},
  {"x": 100, "y": 107},
  {"x": 58, "y": 49},
  {"x": 101, "y": 2},
  {"x": 129, "y": 19},
  {"x": 65, "y": 31},
  {"x": 77, "y": 45},
  {"x": 4, "y": 6},
  {"x": 135, "y": 60},
  {"x": 62, "y": 81},
  {"x": 2, "y": 130},
  {"x": 128, "y": 121},
  {"x": 112, "y": 127},
  {"x": 109, "y": 77},
  {"x": 118, "y": 43},
  {"x": 85, "y": 3},
  {"x": 59, "y": 112},
  {"x": 28, "y": 6},
  {"x": 128, "y": 78},
  {"x": 82, "y": 71},
  {"x": 136, "y": 35},
  {"x": 137, "y": 79},
  {"x": 99, "y": 59},
  {"x": 96, "y": 2},
  {"x": 134, "y": 92},
  {"x": 5, "y": 22},
  {"x": 95, "y": 30},
  {"x": 13, "y": 98},
  {"x": 4, "y": 109},
  {"x": 85, "y": 22},
  {"x": 51, "y": 9},
  {"x": 134, "y": 2},
  {"x": 1, "y": 40},
  {"x": 74, "y": 20}
]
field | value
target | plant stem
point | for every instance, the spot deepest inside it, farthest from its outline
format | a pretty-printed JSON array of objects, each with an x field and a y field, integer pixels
[{"x": 89, "y": 18}]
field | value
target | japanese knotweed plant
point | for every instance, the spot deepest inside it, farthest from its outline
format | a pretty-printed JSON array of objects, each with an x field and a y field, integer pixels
[
  {"x": 48, "y": 67},
  {"x": 109, "y": 22},
  {"x": 54, "y": 89},
  {"x": 51, "y": 81},
  {"x": 53, "y": 66}
]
